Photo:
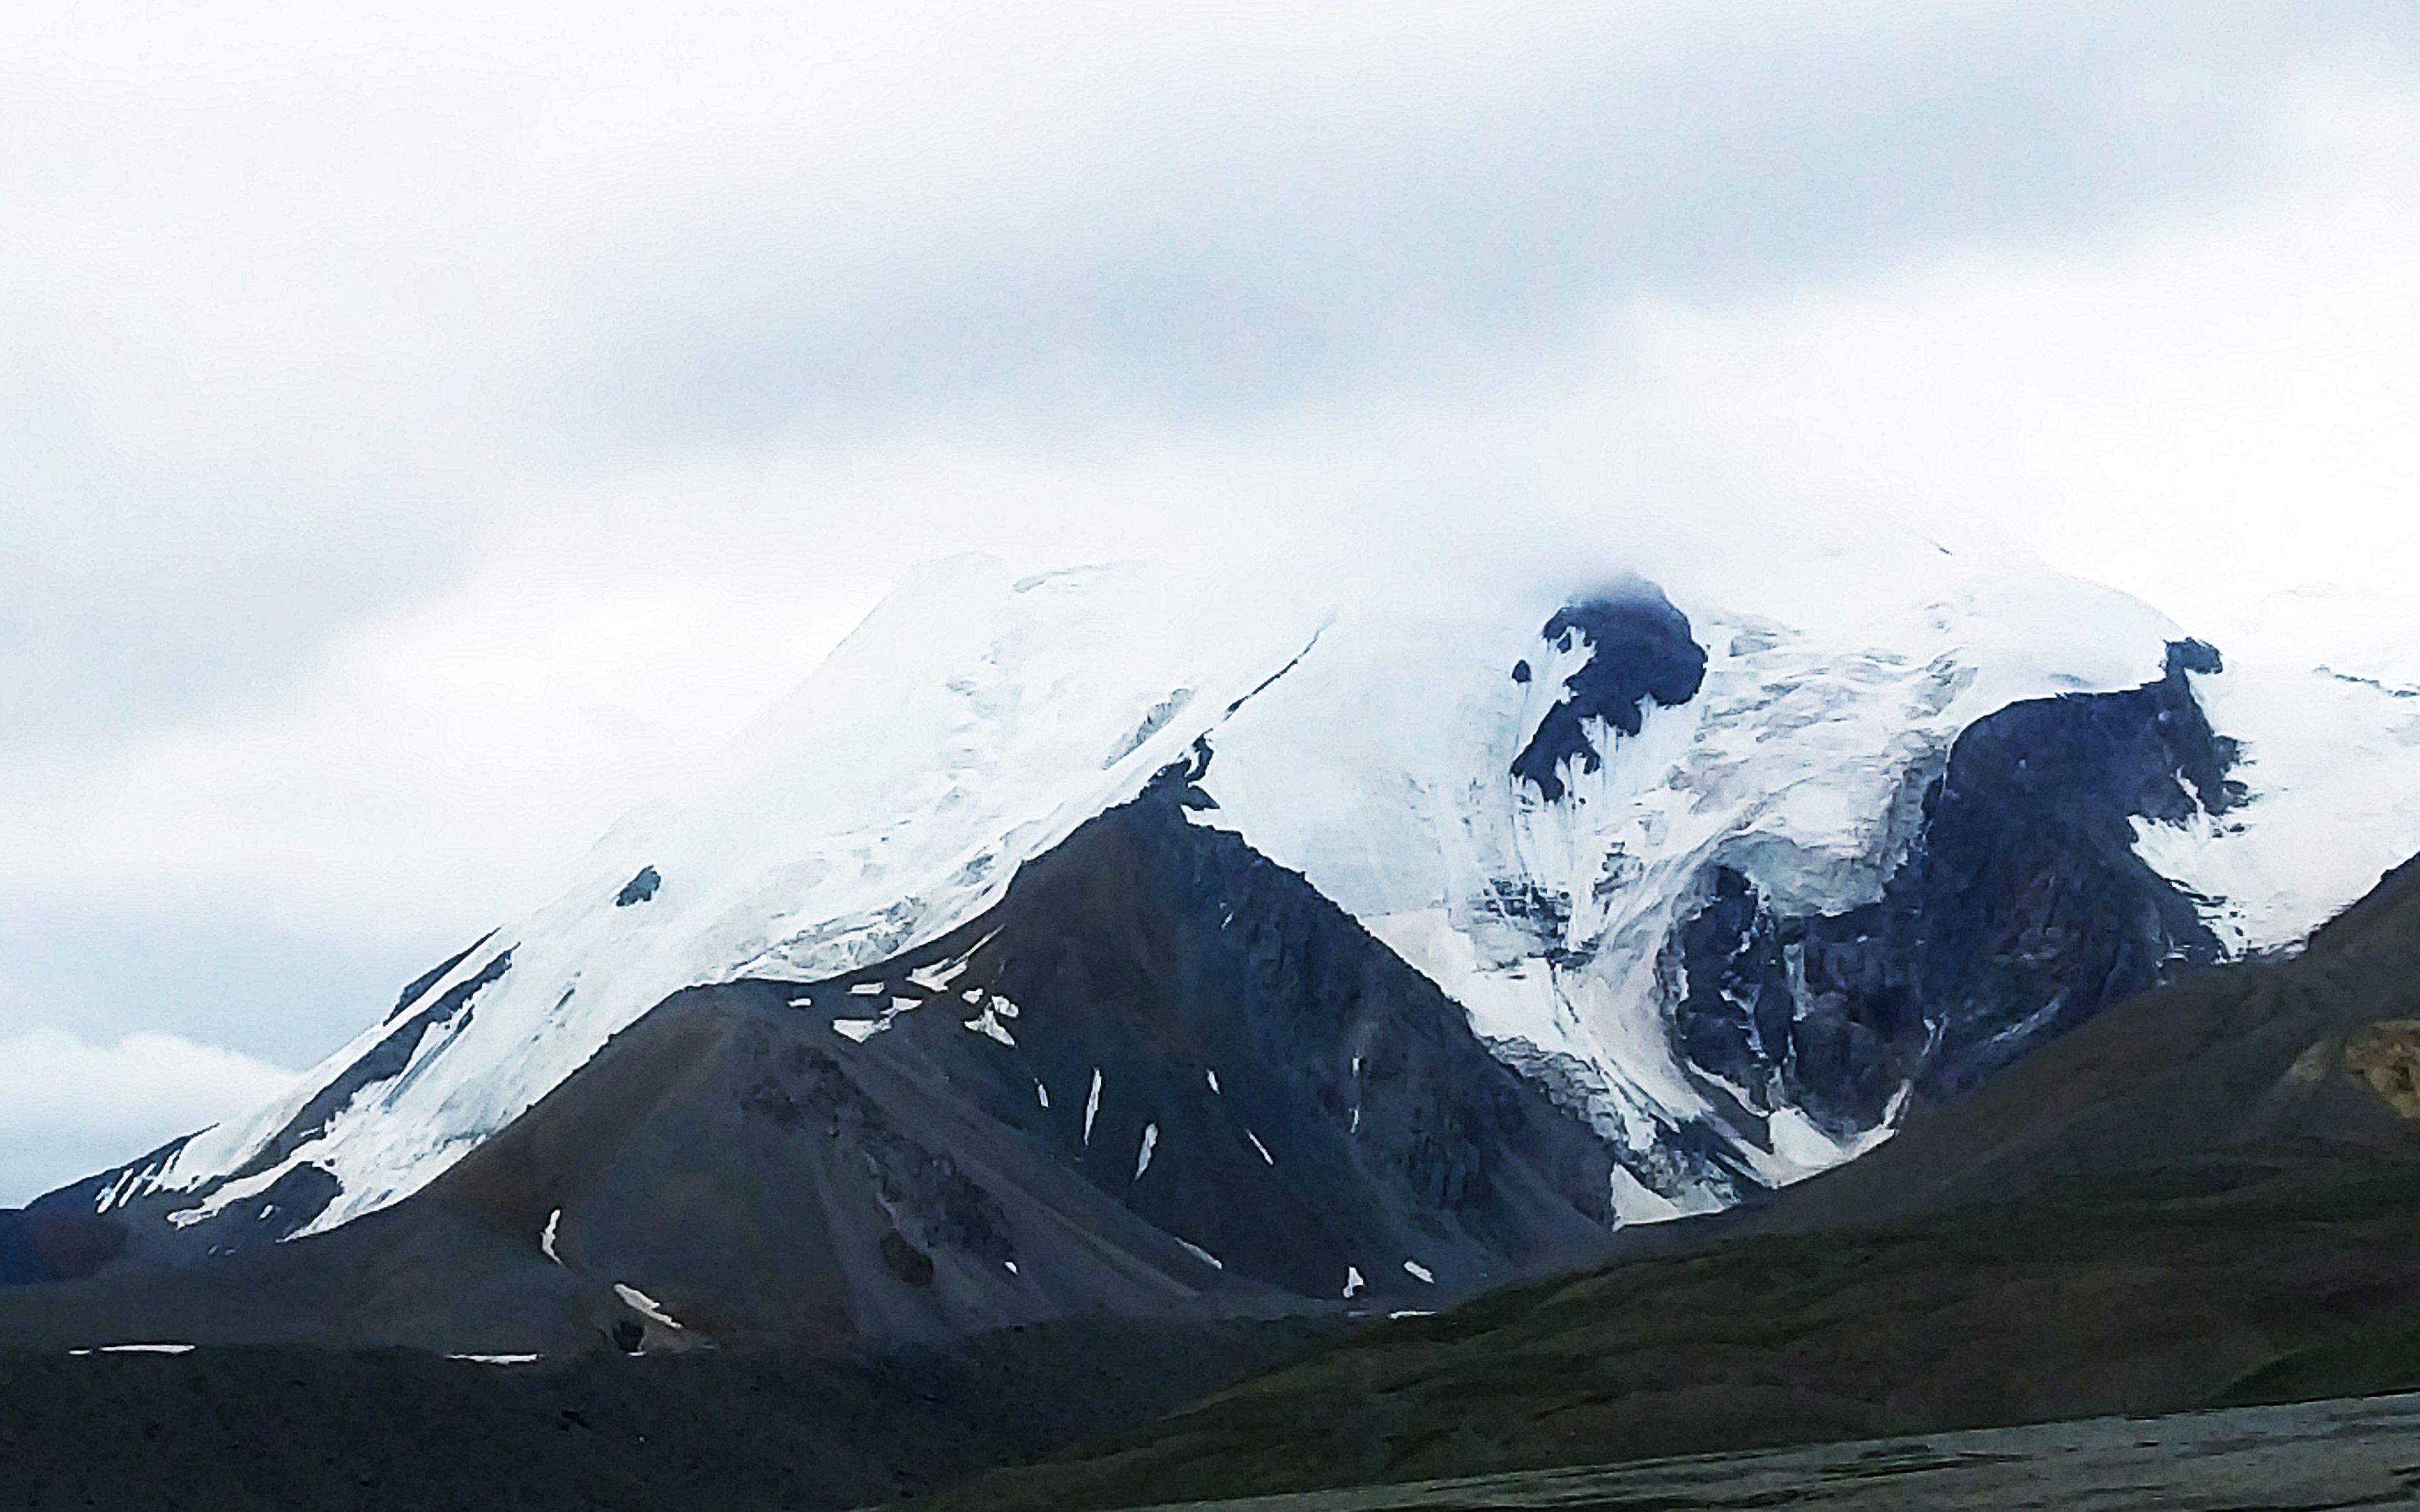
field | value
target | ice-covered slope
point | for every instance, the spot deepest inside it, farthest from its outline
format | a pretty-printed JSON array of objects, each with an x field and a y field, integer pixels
[
  {"x": 970, "y": 724},
  {"x": 2322, "y": 688},
  {"x": 2329, "y": 759},
  {"x": 1800, "y": 761},
  {"x": 1717, "y": 881}
]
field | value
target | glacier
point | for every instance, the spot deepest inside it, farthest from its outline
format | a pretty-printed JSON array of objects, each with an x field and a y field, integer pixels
[{"x": 1364, "y": 733}]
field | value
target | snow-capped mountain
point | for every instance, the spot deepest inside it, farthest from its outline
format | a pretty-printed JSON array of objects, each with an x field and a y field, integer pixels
[{"x": 1130, "y": 936}]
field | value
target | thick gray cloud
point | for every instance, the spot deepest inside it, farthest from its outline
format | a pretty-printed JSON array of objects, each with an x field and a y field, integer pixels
[
  {"x": 304, "y": 294},
  {"x": 426, "y": 431},
  {"x": 1347, "y": 234}
]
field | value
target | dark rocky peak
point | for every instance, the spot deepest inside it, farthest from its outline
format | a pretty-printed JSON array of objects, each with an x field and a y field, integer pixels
[
  {"x": 1163, "y": 1076},
  {"x": 1221, "y": 1050},
  {"x": 2021, "y": 910},
  {"x": 1641, "y": 651},
  {"x": 2147, "y": 753}
]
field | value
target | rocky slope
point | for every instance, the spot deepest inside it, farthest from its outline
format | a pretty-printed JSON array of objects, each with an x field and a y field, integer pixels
[
  {"x": 2208, "y": 1194},
  {"x": 1128, "y": 940}
]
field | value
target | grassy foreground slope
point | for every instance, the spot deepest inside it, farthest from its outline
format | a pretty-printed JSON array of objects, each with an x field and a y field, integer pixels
[{"x": 2209, "y": 1195}]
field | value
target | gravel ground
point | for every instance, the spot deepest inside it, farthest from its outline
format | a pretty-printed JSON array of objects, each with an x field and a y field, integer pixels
[{"x": 2308, "y": 1456}]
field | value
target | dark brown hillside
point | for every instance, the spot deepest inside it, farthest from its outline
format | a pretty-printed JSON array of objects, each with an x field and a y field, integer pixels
[
  {"x": 2267, "y": 1070},
  {"x": 1163, "y": 1078},
  {"x": 2210, "y": 1194}
]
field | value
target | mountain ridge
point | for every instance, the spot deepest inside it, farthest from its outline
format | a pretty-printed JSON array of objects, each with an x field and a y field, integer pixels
[
  {"x": 1781, "y": 881},
  {"x": 2203, "y": 1197}
]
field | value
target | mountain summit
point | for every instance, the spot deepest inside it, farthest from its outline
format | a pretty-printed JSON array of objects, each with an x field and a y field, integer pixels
[{"x": 1130, "y": 939}]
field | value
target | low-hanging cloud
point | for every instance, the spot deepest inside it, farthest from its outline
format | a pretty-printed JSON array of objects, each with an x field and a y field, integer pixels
[
  {"x": 307, "y": 301},
  {"x": 428, "y": 433},
  {"x": 70, "y": 1107}
]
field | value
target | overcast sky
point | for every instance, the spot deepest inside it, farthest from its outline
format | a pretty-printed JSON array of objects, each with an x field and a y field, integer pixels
[{"x": 422, "y": 435}]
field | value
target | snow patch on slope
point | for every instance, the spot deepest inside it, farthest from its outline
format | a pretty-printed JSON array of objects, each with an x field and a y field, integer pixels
[{"x": 2331, "y": 763}]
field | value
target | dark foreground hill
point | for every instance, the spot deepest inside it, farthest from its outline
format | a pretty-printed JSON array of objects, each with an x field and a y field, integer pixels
[
  {"x": 2210, "y": 1195},
  {"x": 277, "y": 1430}
]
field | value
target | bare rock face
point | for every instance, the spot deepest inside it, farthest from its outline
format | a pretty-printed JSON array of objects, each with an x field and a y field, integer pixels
[
  {"x": 1162, "y": 1078},
  {"x": 2021, "y": 911},
  {"x": 1641, "y": 655},
  {"x": 2384, "y": 1057}
]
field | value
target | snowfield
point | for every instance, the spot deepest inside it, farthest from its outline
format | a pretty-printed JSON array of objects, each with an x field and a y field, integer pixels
[{"x": 1364, "y": 739}]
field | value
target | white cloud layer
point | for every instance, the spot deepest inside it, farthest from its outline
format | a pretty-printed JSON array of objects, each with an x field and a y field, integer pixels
[
  {"x": 69, "y": 1108},
  {"x": 427, "y": 430}
]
